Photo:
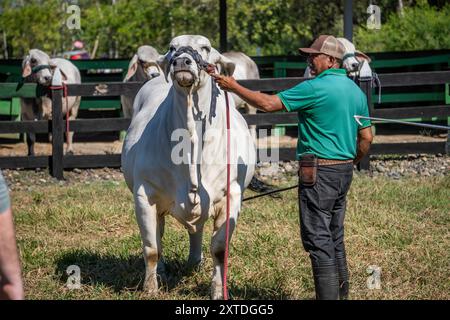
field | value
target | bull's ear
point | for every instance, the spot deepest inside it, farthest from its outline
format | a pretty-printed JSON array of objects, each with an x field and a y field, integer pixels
[
  {"x": 361, "y": 55},
  {"x": 26, "y": 68},
  {"x": 132, "y": 67},
  {"x": 307, "y": 73},
  {"x": 226, "y": 64},
  {"x": 163, "y": 63}
]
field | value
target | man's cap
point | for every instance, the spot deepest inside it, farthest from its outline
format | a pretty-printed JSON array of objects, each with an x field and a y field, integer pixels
[{"x": 326, "y": 44}]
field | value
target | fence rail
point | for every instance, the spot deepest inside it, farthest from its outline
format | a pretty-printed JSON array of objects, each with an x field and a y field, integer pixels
[{"x": 57, "y": 161}]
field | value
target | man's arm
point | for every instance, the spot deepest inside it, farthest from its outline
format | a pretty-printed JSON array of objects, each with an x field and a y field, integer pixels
[
  {"x": 364, "y": 141},
  {"x": 262, "y": 101},
  {"x": 10, "y": 272}
]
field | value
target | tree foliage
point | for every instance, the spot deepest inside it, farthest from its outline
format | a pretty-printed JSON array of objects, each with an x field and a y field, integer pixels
[
  {"x": 419, "y": 28},
  {"x": 265, "y": 27}
]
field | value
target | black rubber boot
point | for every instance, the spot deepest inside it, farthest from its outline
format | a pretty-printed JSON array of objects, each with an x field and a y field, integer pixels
[
  {"x": 326, "y": 279},
  {"x": 341, "y": 262}
]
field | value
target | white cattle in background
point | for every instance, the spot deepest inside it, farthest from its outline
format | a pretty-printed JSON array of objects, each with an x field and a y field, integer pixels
[
  {"x": 37, "y": 67},
  {"x": 143, "y": 67},
  {"x": 352, "y": 61},
  {"x": 245, "y": 69},
  {"x": 174, "y": 156}
]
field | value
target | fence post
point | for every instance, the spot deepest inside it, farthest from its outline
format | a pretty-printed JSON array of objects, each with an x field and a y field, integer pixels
[
  {"x": 56, "y": 163},
  {"x": 366, "y": 86}
]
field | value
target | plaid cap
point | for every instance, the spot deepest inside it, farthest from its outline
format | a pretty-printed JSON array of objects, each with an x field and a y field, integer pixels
[{"x": 326, "y": 44}]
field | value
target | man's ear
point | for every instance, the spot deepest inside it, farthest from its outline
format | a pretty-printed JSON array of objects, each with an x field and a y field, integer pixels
[
  {"x": 163, "y": 63},
  {"x": 227, "y": 65},
  {"x": 26, "y": 68},
  {"x": 132, "y": 67},
  {"x": 331, "y": 61}
]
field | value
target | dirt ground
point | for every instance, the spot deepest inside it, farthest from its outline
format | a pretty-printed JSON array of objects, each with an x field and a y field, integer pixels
[{"x": 11, "y": 147}]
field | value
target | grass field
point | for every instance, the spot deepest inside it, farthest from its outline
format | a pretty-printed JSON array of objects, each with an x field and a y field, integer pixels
[{"x": 401, "y": 226}]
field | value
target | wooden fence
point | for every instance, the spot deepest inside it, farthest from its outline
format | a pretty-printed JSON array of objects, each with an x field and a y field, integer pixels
[
  {"x": 111, "y": 70},
  {"x": 57, "y": 161}
]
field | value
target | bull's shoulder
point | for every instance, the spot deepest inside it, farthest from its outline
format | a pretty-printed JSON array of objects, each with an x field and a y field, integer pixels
[{"x": 68, "y": 69}]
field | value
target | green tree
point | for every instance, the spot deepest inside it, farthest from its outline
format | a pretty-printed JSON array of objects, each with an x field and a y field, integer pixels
[
  {"x": 420, "y": 27},
  {"x": 268, "y": 27}
]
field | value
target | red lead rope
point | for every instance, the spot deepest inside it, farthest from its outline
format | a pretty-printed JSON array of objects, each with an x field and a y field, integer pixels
[{"x": 227, "y": 228}]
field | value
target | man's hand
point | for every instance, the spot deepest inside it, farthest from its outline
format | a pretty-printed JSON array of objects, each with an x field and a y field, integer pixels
[
  {"x": 225, "y": 83},
  {"x": 262, "y": 101}
]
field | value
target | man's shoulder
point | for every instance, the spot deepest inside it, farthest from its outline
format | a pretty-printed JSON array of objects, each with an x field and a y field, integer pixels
[
  {"x": 351, "y": 85},
  {"x": 304, "y": 86}
]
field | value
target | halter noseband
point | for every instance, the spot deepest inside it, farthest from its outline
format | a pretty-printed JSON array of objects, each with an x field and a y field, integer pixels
[
  {"x": 38, "y": 68},
  {"x": 193, "y": 53}
]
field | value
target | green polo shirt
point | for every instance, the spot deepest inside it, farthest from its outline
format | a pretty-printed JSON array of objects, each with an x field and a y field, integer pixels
[{"x": 326, "y": 108}]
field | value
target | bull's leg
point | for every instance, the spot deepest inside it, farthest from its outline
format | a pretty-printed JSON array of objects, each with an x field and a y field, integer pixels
[
  {"x": 74, "y": 104},
  {"x": 70, "y": 140},
  {"x": 195, "y": 249},
  {"x": 251, "y": 110},
  {"x": 29, "y": 109},
  {"x": 218, "y": 241},
  {"x": 161, "y": 267},
  {"x": 31, "y": 139},
  {"x": 150, "y": 229}
]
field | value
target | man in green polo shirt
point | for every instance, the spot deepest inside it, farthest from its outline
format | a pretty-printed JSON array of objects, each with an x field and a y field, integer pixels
[{"x": 330, "y": 142}]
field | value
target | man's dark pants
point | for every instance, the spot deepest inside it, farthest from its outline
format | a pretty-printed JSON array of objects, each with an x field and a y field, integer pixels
[{"x": 322, "y": 213}]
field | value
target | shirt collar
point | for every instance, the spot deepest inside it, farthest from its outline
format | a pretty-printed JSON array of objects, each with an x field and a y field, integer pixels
[{"x": 337, "y": 72}]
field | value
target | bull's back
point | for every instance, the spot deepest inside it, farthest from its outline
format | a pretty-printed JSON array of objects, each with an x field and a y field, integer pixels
[
  {"x": 246, "y": 68},
  {"x": 69, "y": 69}
]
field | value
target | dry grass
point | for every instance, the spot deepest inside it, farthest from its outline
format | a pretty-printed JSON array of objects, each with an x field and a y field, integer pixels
[{"x": 401, "y": 226}]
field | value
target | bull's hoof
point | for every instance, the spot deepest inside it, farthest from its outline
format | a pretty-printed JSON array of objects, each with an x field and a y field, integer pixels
[
  {"x": 216, "y": 292},
  {"x": 69, "y": 153},
  {"x": 194, "y": 265},
  {"x": 162, "y": 275},
  {"x": 151, "y": 287}
]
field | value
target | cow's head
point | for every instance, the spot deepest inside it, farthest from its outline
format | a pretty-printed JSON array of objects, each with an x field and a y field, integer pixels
[
  {"x": 145, "y": 62},
  {"x": 37, "y": 64},
  {"x": 187, "y": 58},
  {"x": 352, "y": 59}
]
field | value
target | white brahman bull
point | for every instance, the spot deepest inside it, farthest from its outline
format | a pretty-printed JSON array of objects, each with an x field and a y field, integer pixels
[
  {"x": 352, "y": 61},
  {"x": 245, "y": 69},
  {"x": 174, "y": 154},
  {"x": 38, "y": 67},
  {"x": 143, "y": 67}
]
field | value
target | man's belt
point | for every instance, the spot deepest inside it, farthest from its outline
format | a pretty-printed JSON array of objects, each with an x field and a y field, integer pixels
[{"x": 331, "y": 162}]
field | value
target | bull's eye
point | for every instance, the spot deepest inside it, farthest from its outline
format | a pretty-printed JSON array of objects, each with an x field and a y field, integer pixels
[
  {"x": 33, "y": 60},
  {"x": 206, "y": 48},
  {"x": 144, "y": 64},
  {"x": 172, "y": 48}
]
